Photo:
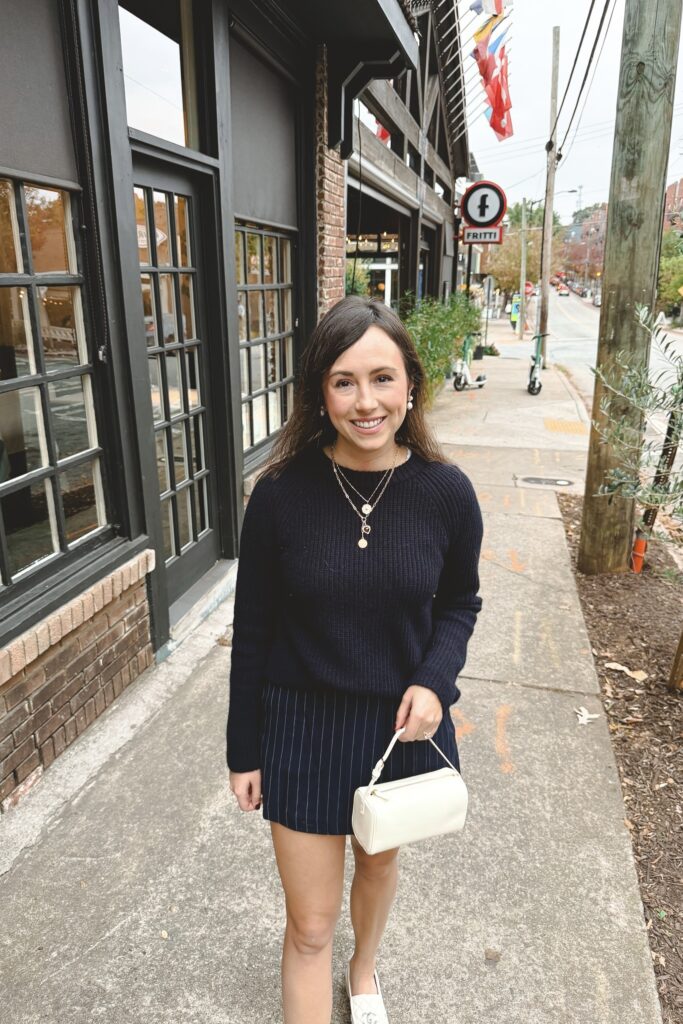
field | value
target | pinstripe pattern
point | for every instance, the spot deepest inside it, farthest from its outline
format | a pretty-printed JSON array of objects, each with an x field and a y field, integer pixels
[{"x": 318, "y": 746}]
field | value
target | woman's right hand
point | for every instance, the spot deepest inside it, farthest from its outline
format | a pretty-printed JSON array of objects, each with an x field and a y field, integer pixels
[{"x": 247, "y": 788}]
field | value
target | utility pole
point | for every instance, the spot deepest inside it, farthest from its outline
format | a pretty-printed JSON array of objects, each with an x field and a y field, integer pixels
[
  {"x": 634, "y": 230},
  {"x": 522, "y": 285},
  {"x": 548, "y": 214}
]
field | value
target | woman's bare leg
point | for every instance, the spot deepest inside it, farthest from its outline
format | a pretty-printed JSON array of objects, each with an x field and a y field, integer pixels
[
  {"x": 372, "y": 895},
  {"x": 312, "y": 873}
]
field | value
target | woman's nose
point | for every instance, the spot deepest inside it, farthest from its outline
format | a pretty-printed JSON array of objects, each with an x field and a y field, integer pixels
[{"x": 365, "y": 399}]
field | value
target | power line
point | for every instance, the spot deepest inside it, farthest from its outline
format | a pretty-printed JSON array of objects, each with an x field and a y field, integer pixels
[
  {"x": 576, "y": 61},
  {"x": 529, "y": 144},
  {"x": 588, "y": 68},
  {"x": 595, "y": 70}
]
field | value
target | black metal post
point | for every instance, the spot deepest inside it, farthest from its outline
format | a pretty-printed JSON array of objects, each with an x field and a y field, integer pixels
[
  {"x": 456, "y": 254},
  {"x": 469, "y": 270}
]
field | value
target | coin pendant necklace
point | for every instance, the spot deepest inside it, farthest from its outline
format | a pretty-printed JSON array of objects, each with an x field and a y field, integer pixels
[{"x": 369, "y": 504}]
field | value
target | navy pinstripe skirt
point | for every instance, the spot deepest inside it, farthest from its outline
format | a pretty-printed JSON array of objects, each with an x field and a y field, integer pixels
[{"x": 318, "y": 746}]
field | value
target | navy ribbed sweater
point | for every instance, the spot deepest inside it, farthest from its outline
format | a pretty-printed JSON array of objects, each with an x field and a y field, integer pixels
[{"x": 313, "y": 610}]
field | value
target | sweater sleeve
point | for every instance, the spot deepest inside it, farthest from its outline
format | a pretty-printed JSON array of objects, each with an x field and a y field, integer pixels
[
  {"x": 253, "y": 621},
  {"x": 457, "y": 602}
]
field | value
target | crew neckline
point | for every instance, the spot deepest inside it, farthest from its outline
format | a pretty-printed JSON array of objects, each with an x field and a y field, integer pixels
[{"x": 413, "y": 464}]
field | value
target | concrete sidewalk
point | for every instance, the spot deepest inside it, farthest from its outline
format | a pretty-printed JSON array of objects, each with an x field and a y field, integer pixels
[{"x": 135, "y": 891}]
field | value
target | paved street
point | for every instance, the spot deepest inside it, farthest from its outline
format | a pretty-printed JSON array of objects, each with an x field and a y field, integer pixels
[{"x": 572, "y": 345}]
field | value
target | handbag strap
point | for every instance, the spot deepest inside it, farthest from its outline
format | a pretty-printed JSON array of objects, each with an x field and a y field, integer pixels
[{"x": 379, "y": 767}]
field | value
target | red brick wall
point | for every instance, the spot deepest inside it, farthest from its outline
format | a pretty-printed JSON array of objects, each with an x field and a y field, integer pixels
[
  {"x": 331, "y": 204},
  {"x": 61, "y": 674}
]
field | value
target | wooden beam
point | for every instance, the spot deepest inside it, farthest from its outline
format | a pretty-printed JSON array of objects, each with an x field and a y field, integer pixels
[{"x": 382, "y": 99}]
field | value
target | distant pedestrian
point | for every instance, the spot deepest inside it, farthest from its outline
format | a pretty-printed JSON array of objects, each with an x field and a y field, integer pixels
[
  {"x": 514, "y": 310},
  {"x": 357, "y": 593}
]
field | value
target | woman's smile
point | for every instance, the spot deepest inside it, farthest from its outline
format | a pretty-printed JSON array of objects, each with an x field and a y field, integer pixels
[{"x": 369, "y": 426}]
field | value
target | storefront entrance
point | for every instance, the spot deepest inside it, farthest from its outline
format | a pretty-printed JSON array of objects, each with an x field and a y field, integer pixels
[{"x": 174, "y": 332}]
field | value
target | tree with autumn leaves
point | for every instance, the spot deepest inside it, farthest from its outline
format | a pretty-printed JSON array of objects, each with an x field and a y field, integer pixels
[{"x": 503, "y": 262}]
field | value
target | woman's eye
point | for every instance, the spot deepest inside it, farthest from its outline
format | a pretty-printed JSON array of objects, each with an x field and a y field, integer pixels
[{"x": 382, "y": 377}]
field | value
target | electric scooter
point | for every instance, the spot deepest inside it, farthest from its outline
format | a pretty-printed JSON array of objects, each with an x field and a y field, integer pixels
[
  {"x": 462, "y": 377},
  {"x": 535, "y": 384}
]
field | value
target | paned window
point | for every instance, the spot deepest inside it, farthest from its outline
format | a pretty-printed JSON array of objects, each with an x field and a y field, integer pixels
[
  {"x": 263, "y": 258},
  {"x": 51, "y": 492},
  {"x": 175, "y": 359}
]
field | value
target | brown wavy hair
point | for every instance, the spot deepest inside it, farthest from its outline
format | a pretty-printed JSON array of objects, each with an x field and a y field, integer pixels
[{"x": 341, "y": 327}]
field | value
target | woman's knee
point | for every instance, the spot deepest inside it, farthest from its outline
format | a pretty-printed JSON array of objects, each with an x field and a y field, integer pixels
[
  {"x": 311, "y": 933},
  {"x": 374, "y": 865}
]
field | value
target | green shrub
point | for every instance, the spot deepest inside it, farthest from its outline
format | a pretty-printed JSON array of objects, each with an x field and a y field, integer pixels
[
  {"x": 438, "y": 330},
  {"x": 358, "y": 284}
]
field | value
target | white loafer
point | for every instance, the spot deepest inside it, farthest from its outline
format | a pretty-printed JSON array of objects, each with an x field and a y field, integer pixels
[{"x": 366, "y": 1009}]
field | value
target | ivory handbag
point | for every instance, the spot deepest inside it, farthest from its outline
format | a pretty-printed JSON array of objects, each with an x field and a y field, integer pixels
[{"x": 389, "y": 814}]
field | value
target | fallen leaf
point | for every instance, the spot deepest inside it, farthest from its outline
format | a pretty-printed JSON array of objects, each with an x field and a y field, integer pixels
[{"x": 639, "y": 675}]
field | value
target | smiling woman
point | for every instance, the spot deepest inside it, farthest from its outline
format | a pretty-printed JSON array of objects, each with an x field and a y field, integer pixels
[
  {"x": 366, "y": 392},
  {"x": 358, "y": 519}
]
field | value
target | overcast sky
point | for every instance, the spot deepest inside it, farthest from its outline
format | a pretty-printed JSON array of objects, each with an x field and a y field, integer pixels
[{"x": 518, "y": 164}]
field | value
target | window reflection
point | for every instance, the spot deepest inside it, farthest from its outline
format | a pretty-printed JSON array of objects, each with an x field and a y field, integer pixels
[
  {"x": 60, "y": 327},
  {"x": 47, "y": 211},
  {"x": 78, "y": 486},
  {"x": 187, "y": 307},
  {"x": 162, "y": 461},
  {"x": 29, "y": 519},
  {"x": 22, "y": 433},
  {"x": 16, "y": 346},
  {"x": 149, "y": 310},
  {"x": 182, "y": 227},
  {"x": 10, "y": 255},
  {"x": 157, "y": 49},
  {"x": 167, "y": 296},
  {"x": 184, "y": 518},
  {"x": 142, "y": 226},
  {"x": 69, "y": 416}
]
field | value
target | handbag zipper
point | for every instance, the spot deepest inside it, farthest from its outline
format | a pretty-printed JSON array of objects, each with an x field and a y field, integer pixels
[{"x": 398, "y": 783}]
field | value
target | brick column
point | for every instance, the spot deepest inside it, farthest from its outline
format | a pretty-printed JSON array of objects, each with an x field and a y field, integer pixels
[{"x": 331, "y": 202}]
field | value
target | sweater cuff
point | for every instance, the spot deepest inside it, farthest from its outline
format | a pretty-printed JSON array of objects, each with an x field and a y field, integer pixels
[
  {"x": 243, "y": 733},
  {"x": 447, "y": 692}
]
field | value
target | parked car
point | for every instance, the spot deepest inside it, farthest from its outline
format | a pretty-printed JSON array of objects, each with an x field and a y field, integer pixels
[{"x": 563, "y": 290}]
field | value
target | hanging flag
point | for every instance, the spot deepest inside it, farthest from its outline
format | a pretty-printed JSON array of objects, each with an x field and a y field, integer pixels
[
  {"x": 498, "y": 93},
  {"x": 483, "y": 34},
  {"x": 490, "y": 55},
  {"x": 496, "y": 43},
  {"x": 488, "y": 6}
]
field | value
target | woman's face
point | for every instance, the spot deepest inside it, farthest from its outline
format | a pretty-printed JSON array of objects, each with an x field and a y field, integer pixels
[{"x": 366, "y": 393}]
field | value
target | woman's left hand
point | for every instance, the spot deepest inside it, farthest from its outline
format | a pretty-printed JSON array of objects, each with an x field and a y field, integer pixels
[{"x": 420, "y": 712}]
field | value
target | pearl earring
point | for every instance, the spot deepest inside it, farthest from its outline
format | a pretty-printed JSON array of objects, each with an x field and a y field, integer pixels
[
  {"x": 322, "y": 410},
  {"x": 410, "y": 402}
]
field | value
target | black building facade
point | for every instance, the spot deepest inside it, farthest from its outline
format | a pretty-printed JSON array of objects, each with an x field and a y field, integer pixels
[{"x": 161, "y": 243}]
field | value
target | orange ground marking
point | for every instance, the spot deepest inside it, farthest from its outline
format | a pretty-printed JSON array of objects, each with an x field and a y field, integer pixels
[
  {"x": 502, "y": 748},
  {"x": 463, "y": 726},
  {"x": 516, "y": 563}
]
